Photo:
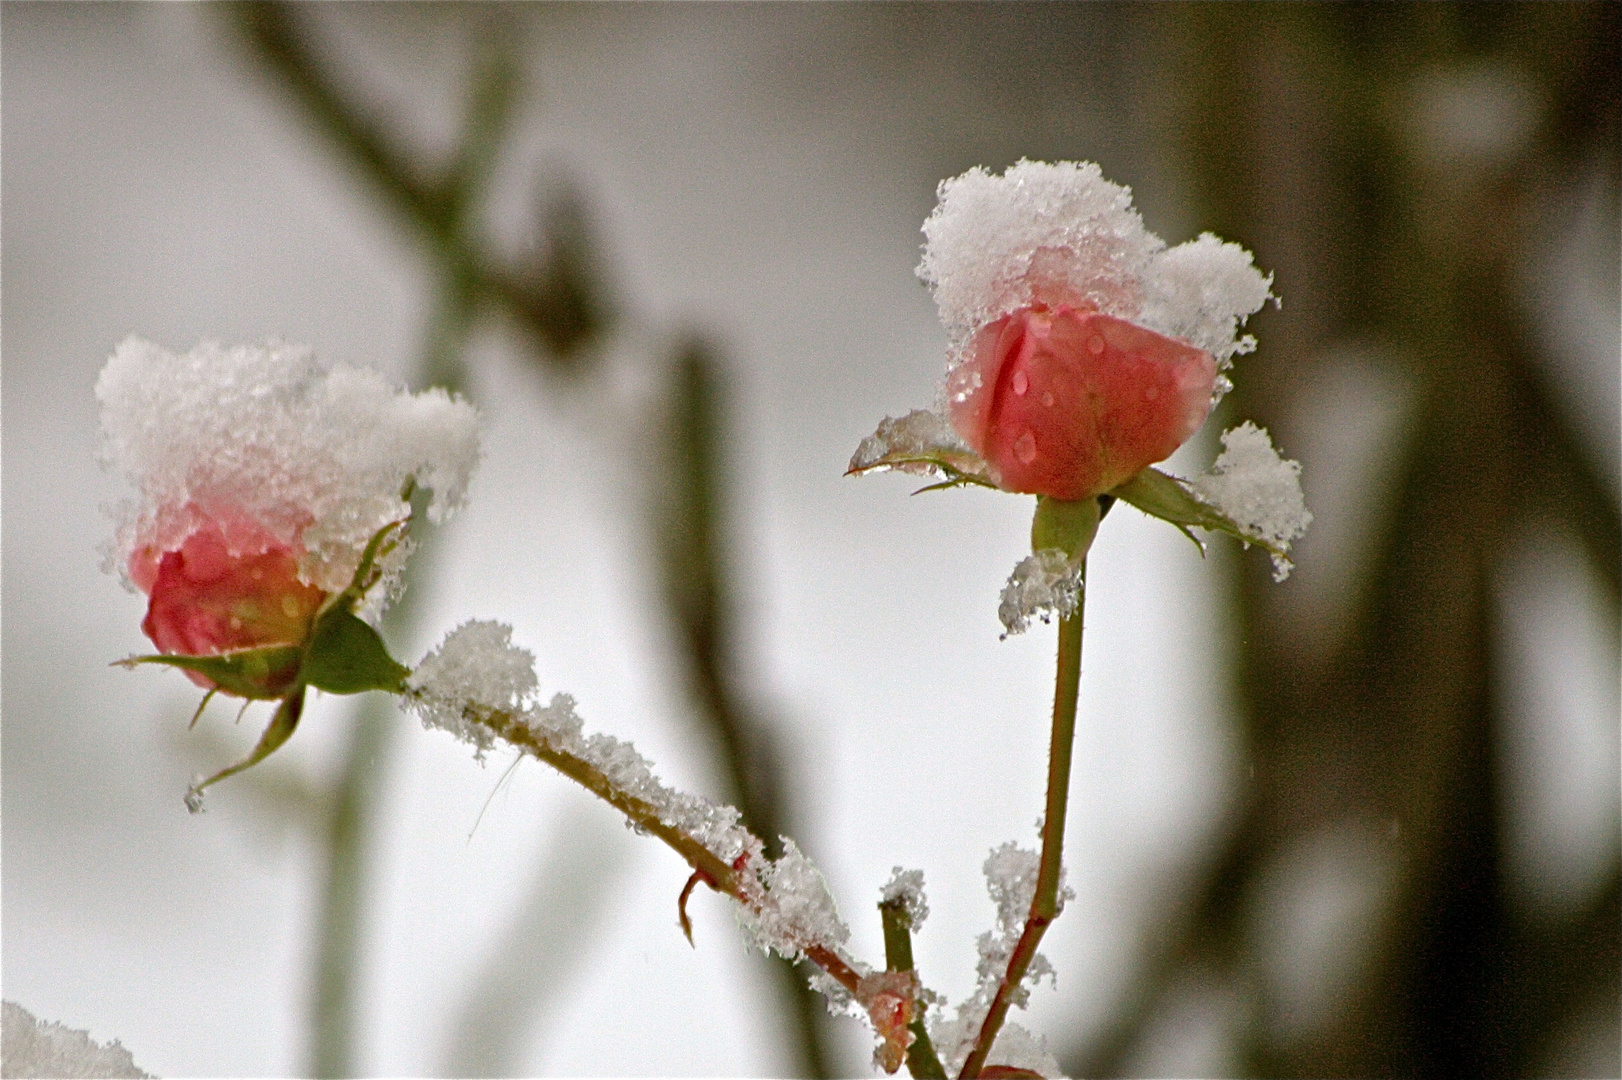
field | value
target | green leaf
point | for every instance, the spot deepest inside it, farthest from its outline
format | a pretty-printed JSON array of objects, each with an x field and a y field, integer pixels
[
  {"x": 346, "y": 656},
  {"x": 1169, "y": 499},
  {"x": 262, "y": 674},
  {"x": 280, "y": 728}
]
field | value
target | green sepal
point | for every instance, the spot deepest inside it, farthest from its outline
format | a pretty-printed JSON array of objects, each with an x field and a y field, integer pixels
[
  {"x": 347, "y": 656},
  {"x": 1169, "y": 499},
  {"x": 924, "y": 444},
  {"x": 263, "y": 673},
  {"x": 1065, "y": 525},
  {"x": 281, "y": 727},
  {"x": 367, "y": 574}
]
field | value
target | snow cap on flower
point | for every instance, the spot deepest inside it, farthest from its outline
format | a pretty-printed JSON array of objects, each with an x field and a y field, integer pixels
[
  {"x": 307, "y": 457},
  {"x": 1051, "y": 234}
]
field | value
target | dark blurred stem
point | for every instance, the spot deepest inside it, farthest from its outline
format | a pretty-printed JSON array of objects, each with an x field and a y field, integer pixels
[
  {"x": 554, "y": 298},
  {"x": 332, "y": 1050},
  {"x": 691, "y": 542},
  {"x": 1045, "y": 904}
]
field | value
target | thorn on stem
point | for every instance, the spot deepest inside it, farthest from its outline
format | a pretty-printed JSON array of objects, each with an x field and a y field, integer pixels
[{"x": 681, "y": 904}]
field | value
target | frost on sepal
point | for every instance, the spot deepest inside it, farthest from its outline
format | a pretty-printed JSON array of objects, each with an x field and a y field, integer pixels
[
  {"x": 1259, "y": 491},
  {"x": 1044, "y": 584},
  {"x": 795, "y": 910},
  {"x": 477, "y": 665},
  {"x": 922, "y": 443}
]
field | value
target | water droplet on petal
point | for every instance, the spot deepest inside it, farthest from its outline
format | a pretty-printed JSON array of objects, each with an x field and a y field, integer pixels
[
  {"x": 1095, "y": 345},
  {"x": 1047, "y": 398},
  {"x": 1021, "y": 383},
  {"x": 1025, "y": 447}
]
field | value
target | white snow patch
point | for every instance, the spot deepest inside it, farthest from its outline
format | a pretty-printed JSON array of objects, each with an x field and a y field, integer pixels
[
  {"x": 906, "y": 888},
  {"x": 1044, "y": 584}
]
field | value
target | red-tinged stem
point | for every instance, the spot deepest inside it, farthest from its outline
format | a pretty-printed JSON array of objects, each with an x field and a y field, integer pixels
[
  {"x": 1045, "y": 904},
  {"x": 708, "y": 867}
]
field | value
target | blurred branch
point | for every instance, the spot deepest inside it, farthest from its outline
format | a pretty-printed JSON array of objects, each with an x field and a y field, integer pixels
[
  {"x": 691, "y": 533},
  {"x": 554, "y": 296}
]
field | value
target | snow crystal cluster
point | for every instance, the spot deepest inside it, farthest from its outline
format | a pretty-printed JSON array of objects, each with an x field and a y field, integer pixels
[
  {"x": 1044, "y": 584},
  {"x": 33, "y": 1047},
  {"x": 906, "y": 889},
  {"x": 1011, "y": 872},
  {"x": 477, "y": 664},
  {"x": 1061, "y": 233},
  {"x": 795, "y": 911},
  {"x": 1258, "y": 490},
  {"x": 317, "y": 455}
]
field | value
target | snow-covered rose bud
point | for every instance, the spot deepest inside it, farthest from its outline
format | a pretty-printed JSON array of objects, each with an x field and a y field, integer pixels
[
  {"x": 1070, "y": 403},
  {"x": 262, "y": 477},
  {"x": 1082, "y": 349}
]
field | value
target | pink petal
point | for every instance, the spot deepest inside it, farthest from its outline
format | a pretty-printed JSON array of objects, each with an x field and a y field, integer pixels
[{"x": 1070, "y": 403}]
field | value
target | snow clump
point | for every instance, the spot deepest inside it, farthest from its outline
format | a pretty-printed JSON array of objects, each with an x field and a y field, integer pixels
[
  {"x": 1258, "y": 490},
  {"x": 1044, "y": 584},
  {"x": 906, "y": 889}
]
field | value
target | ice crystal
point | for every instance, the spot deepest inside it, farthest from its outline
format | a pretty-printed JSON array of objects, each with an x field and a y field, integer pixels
[
  {"x": 906, "y": 888},
  {"x": 1061, "y": 233},
  {"x": 1258, "y": 490},
  {"x": 1044, "y": 584},
  {"x": 315, "y": 455}
]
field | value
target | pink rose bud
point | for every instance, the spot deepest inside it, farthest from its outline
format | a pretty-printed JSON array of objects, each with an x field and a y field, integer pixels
[
  {"x": 229, "y": 585},
  {"x": 1069, "y": 403}
]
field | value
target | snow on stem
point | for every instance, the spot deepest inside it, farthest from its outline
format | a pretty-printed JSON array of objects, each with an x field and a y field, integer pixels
[{"x": 476, "y": 686}]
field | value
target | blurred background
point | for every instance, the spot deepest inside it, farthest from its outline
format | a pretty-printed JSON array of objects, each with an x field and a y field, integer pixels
[{"x": 1363, "y": 823}]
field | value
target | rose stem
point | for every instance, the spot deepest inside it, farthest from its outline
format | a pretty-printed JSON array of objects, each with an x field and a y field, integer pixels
[{"x": 1045, "y": 904}]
